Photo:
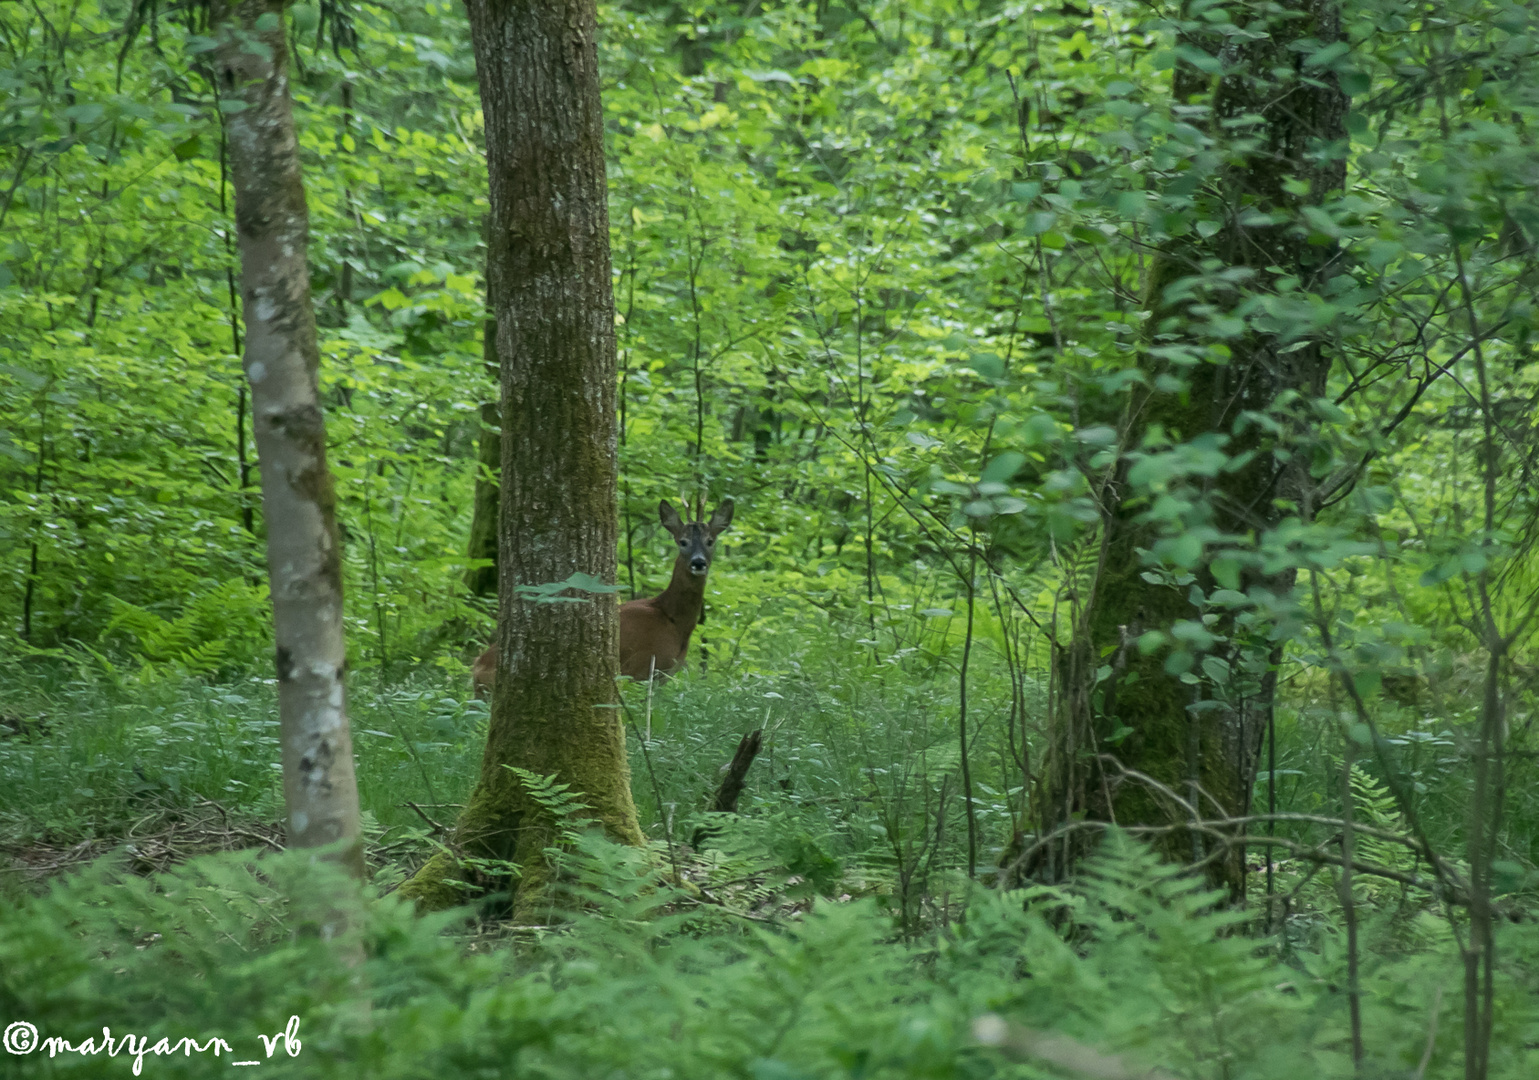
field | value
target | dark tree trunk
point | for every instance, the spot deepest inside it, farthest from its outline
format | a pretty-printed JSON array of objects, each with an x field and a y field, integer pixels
[
  {"x": 553, "y": 706},
  {"x": 1216, "y": 744},
  {"x": 281, "y": 361}
]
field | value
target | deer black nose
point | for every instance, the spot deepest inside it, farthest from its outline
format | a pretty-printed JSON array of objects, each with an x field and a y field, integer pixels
[{"x": 698, "y": 565}]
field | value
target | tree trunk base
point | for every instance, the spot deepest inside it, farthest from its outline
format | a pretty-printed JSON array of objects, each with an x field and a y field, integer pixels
[{"x": 429, "y": 887}]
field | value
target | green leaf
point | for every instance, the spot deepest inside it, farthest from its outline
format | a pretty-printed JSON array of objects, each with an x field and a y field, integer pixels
[
  {"x": 775, "y": 1069},
  {"x": 1367, "y": 682},
  {"x": 549, "y": 592},
  {"x": 1327, "y": 56},
  {"x": 85, "y": 113},
  {"x": 1216, "y": 669},
  {"x": 1004, "y": 467},
  {"x": 1226, "y": 571},
  {"x": 1132, "y": 204},
  {"x": 1186, "y": 551},
  {"x": 1179, "y": 662},
  {"x": 987, "y": 364}
]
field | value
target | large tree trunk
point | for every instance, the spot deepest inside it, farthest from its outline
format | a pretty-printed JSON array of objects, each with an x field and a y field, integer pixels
[
  {"x": 1139, "y": 713},
  {"x": 304, "y": 559},
  {"x": 553, "y": 707}
]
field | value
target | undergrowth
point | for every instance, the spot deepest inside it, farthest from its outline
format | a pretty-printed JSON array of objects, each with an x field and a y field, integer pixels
[
  {"x": 1134, "y": 960},
  {"x": 826, "y": 930}
]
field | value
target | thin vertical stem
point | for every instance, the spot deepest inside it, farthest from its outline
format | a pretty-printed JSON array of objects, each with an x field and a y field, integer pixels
[
  {"x": 37, "y": 491},
  {"x": 651, "y": 679},
  {"x": 345, "y": 276},
  {"x": 1488, "y": 795},
  {"x": 861, "y": 415},
  {"x": 1271, "y": 808},
  {"x": 243, "y": 465},
  {"x": 967, "y": 775},
  {"x": 1349, "y": 906},
  {"x": 379, "y": 611},
  {"x": 243, "y": 473},
  {"x": 624, "y": 396},
  {"x": 696, "y": 257}
]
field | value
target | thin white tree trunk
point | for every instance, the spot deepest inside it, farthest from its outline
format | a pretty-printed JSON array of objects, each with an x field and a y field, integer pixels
[{"x": 304, "y": 559}]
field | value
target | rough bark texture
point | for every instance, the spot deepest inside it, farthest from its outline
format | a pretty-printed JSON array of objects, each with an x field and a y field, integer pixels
[
  {"x": 298, "y": 499},
  {"x": 553, "y": 707},
  {"x": 1215, "y": 746}
]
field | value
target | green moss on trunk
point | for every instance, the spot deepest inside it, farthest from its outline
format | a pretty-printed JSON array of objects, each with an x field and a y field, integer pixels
[
  {"x": 554, "y": 706},
  {"x": 1139, "y": 713}
]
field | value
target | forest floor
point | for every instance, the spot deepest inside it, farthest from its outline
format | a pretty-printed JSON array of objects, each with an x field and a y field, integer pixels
[{"x": 168, "y": 780}]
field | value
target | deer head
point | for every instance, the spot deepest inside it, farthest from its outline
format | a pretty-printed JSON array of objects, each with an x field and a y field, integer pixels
[{"x": 696, "y": 539}]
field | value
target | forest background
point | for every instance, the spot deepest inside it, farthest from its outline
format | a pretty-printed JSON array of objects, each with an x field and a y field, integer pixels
[{"x": 888, "y": 276}]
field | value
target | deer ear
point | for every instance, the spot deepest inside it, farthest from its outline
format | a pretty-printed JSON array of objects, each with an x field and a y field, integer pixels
[
  {"x": 670, "y": 518},
  {"x": 721, "y": 518}
]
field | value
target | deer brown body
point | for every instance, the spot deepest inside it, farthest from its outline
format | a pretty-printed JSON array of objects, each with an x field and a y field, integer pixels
[{"x": 655, "y": 632}]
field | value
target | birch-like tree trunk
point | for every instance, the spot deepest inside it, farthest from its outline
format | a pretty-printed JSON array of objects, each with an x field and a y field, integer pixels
[
  {"x": 304, "y": 558},
  {"x": 553, "y": 707}
]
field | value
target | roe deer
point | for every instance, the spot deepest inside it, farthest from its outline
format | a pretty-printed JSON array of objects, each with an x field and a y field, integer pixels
[{"x": 654, "y": 633}]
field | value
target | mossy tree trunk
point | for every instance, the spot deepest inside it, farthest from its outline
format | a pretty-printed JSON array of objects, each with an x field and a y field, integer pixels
[
  {"x": 553, "y": 707},
  {"x": 282, "y": 361},
  {"x": 1205, "y": 731}
]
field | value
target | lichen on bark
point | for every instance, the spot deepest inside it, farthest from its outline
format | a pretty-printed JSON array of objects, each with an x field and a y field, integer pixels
[{"x": 282, "y": 361}]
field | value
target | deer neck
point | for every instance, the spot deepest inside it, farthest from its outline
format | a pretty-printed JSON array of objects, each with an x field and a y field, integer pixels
[{"x": 683, "y": 598}]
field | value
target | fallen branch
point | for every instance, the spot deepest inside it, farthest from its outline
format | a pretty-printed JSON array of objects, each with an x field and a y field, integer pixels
[{"x": 734, "y": 777}]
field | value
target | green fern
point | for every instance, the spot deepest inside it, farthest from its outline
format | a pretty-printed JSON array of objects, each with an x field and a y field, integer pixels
[
  {"x": 227, "y": 623},
  {"x": 1373, "y": 804},
  {"x": 565, "y": 807}
]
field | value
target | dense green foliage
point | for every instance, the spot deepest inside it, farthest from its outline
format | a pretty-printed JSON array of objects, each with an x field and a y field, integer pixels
[
  {"x": 650, "y": 984},
  {"x": 882, "y": 275}
]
